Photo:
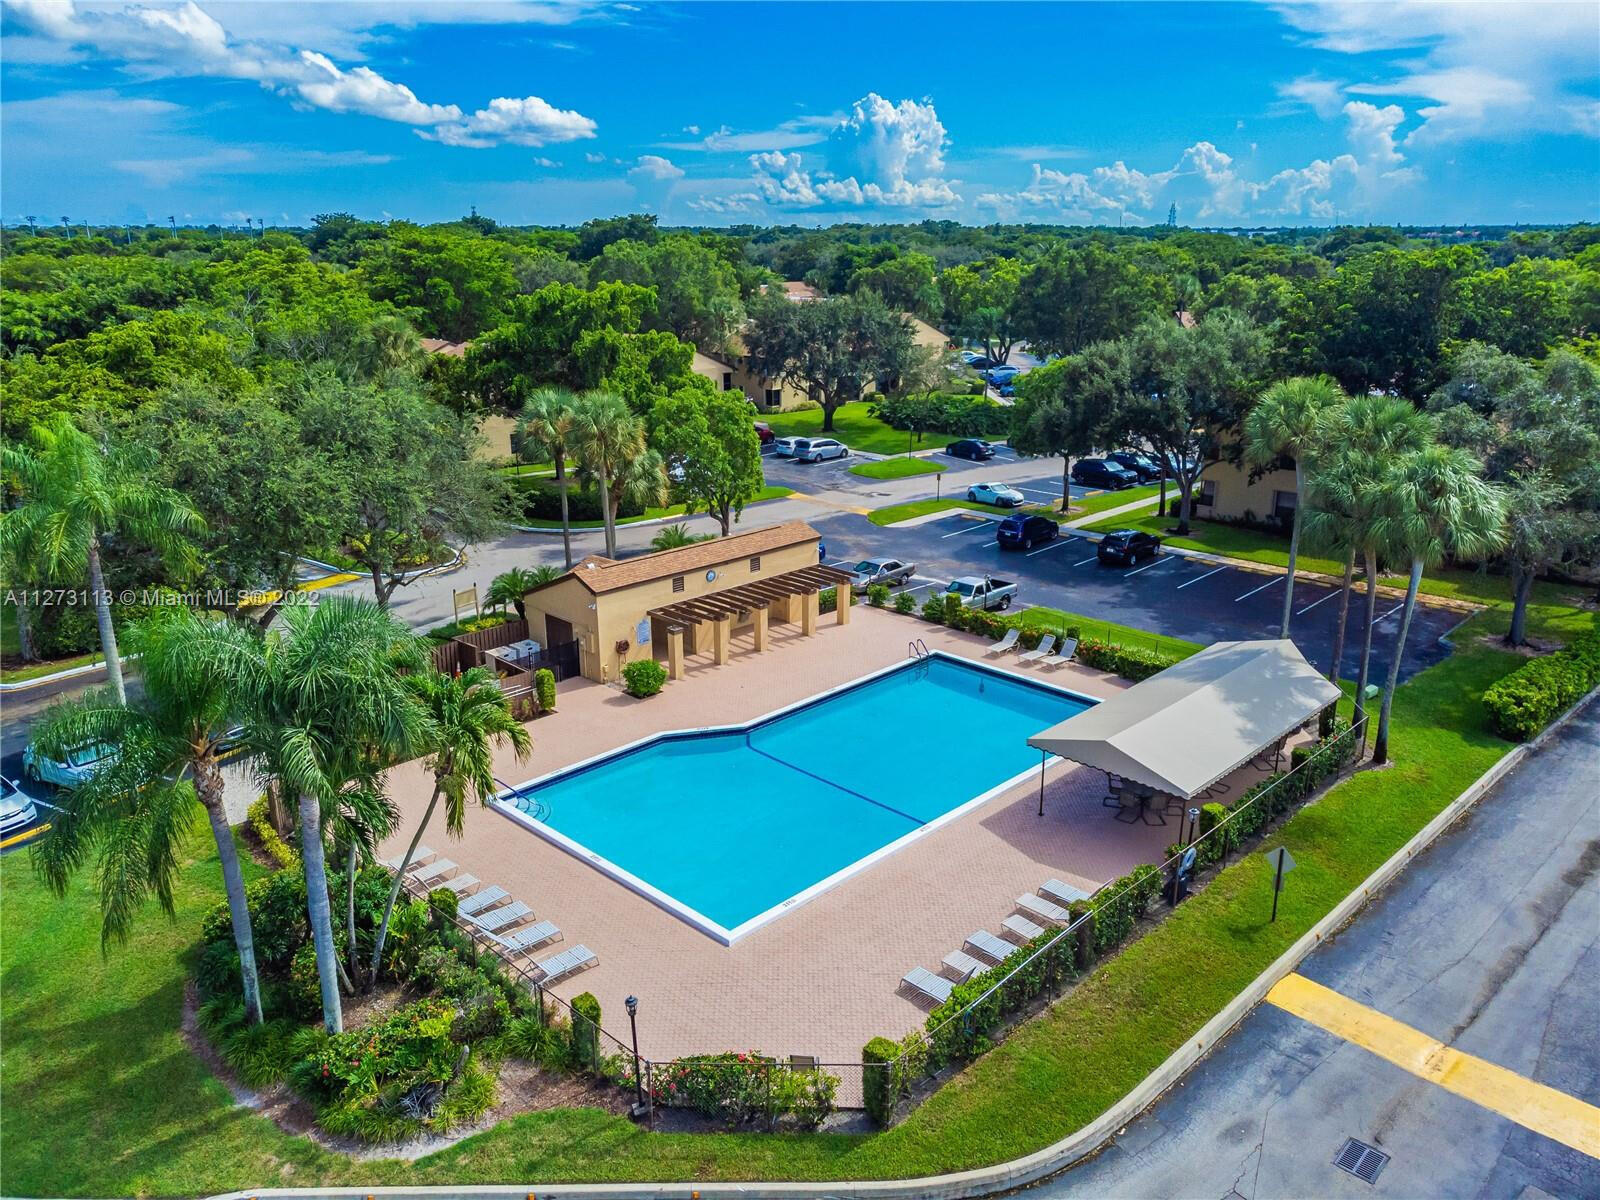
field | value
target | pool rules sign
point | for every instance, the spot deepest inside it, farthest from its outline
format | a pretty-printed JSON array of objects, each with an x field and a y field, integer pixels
[{"x": 1282, "y": 863}]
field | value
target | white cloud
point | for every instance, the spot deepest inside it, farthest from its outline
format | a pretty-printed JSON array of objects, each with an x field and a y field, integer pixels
[
  {"x": 790, "y": 135},
  {"x": 593, "y": 156},
  {"x": 1323, "y": 96},
  {"x": 653, "y": 166},
  {"x": 541, "y": 161},
  {"x": 186, "y": 40}
]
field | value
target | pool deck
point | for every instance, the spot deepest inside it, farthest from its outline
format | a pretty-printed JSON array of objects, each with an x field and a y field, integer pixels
[{"x": 822, "y": 979}]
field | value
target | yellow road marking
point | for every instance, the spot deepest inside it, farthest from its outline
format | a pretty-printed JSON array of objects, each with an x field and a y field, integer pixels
[
  {"x": 827, "y": 503},
  {"x": 328, "y": 581},
  {"x": 25, "y": 835},
  {"x": 1556, "y": 1115}
]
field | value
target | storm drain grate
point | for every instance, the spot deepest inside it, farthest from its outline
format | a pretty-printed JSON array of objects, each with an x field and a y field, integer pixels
[{"x": 1361, "y": 1160}]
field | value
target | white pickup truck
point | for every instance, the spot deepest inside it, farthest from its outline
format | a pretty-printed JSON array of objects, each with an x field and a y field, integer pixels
[{"x": 982, "y": 591}]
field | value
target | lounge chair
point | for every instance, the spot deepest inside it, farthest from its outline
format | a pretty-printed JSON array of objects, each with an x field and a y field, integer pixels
[
  {"x": 925, "y": 982},
  {"x": 558, "y": 966},
  {"x": 499, "y": 918},
  {"x": 1024, "y": 929},
  {"x": 1009, "y": 642},
  {"x": 1061, "y": 893},
  {"x": 1046, "y": 644},
  {"x": 986, "y": 944},
  {"x": 964, "y": 965},
  {"x": 423, "y": 853},
  {"x": 1064, "y": 654},
  {"x": 1034, "y": 906},
  {"x": 431, "y": 873},
  {"x": 460, "y": 883},
  {"x": 527, "y": 939},
  {"x": 479, "y": 901}
]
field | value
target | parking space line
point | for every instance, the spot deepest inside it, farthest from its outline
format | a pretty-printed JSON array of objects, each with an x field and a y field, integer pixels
[
  {"x": 1156, "y": 563},
  {"x": 1060, "y": 541},
  {"x": 1390, "y": 613},
  {"x": 1262, "y": 588},
  {"x": 1314, "y": 603},
  {"x": 1197, "y": 579},
  {"x": 1090, "y": 559},
  {"x": 977, "y": 526}
]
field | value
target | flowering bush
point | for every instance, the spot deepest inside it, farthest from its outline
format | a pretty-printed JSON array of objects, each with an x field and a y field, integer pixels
[
  {"x": 739, "y": 1087},
  {"x": 411, "y": 1043}
]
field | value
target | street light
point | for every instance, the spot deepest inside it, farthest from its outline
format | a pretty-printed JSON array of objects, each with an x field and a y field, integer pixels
[
  {"x": 1194, "y": 824},
  {"x": 638, "y": 1084}
]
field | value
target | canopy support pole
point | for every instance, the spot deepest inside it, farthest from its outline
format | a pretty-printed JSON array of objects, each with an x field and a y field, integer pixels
[{"x": 1043, "y": 754}]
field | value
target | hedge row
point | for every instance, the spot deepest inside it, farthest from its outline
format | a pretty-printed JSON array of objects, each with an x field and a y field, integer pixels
[
  {"x": 941, "y": 413},
  {"x": 541, "y": 501},
  {"x": 1130, "y": 662},
  {"x": 261, "y": 825},
  {"x": 1528, "y": 699}
]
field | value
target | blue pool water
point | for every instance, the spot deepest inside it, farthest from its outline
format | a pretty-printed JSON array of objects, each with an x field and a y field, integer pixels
[{"x": 732, "y": 824}]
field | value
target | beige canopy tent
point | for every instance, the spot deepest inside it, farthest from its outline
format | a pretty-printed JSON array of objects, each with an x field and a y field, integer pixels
[{"x": 1183, "y": 729}]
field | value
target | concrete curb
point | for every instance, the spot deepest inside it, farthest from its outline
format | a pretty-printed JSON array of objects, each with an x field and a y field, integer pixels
[
  {"x": 24, "y": 685},
  {"x": 1019, "y": 1172}
]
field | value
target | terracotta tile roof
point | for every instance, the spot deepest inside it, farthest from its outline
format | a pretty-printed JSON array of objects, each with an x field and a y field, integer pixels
[
  {"x": 604, "y": 575},
  {"x": 448, "y": 349}
]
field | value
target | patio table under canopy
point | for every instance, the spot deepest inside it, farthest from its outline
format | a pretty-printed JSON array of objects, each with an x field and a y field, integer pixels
[{"x": 1182, "y": 730}]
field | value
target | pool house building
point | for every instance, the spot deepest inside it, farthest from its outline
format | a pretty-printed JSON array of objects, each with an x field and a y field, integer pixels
[{"x": 713, "y": 598}]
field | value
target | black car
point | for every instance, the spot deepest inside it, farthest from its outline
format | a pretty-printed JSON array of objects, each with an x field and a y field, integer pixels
[
  {"x": 1146, "y": 468},
  {"x": 1127, "y": 546},
  {"x": 1098, "y": 473},
  {"x": 1019, "y": 532},
  {"x": 974, "y": 448}
]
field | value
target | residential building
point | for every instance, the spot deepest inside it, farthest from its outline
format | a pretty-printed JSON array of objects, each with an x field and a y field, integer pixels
[{"x": 1240, "y": 493}]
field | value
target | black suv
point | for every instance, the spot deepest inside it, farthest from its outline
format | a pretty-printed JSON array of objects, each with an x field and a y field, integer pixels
[
  {"x": 974, "y": 448},
  {"x": 1127, "y": 546},
  {"x": 1019, "y": 532},
  {"x": 1142, "y": 465},
  {"x": 1098, "y": 473}
]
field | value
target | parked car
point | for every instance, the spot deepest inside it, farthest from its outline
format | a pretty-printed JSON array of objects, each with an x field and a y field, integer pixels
[
  {"x": 882, "y": 570},
  {"x": 764, "y": 432},
  {"x": 784, "y": 447},
  {"x": 975, "y": 449},
  {"x": 1125, "y": 547},
  {"x": 16, "y": 808},
  {"x": 75, "y": 766},
  {"x": 1141, "y": 464},
  {"x": 995, "y": 493},
  {"x": 980, "y": 362},
  {"x": 1098, "y": 473},
  {"x": 1018, "y": 532},
  {"x": 817, "y": 449},
  {"x": 1007, "y": 390},
  {"x": 1001, "y": 374},
  {"x": 982, "y": 591}
]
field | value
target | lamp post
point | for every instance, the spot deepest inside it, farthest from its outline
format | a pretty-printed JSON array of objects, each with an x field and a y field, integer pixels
[
  {"x": 1194, "y": 825},
  {"x": 638, "y": 1084}
]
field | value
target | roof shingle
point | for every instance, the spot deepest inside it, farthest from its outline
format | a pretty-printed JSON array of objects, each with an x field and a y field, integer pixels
[{"x": 605, "y": 575}]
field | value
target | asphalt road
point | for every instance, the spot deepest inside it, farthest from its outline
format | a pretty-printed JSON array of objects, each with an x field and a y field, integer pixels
[{"x": 1489, "y": 943}]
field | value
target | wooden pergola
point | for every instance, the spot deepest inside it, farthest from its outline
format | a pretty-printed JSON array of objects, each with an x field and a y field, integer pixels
[{"x": 719, "y": 608}]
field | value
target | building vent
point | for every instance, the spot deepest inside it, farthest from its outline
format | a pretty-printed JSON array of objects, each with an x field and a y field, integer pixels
[
  {"x": 755, "y": 563},
  {"x": 1361, "y": 1160},
  {"x": 677, "y": 583}
]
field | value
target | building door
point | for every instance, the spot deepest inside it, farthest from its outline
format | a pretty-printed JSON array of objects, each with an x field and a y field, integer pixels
[{"x": 556, "y": 631}]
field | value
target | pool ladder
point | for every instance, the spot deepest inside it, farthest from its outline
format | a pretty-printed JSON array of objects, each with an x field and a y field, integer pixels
[{"x": 917, "y": 648}]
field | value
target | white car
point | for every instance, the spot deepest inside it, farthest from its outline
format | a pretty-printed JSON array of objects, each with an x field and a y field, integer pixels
[
  {"x": 995, "y": 493},
  {"x": 16, "y": 808},
  {"x": 818, "y": 449},
  {"x": 79, "y": 764},
  {"x": 883, "y": 570},
  {"x": 784, "y": 447}
]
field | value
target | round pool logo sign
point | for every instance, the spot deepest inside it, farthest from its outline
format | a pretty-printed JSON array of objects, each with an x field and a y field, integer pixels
[{"x": 711, "y": 576}]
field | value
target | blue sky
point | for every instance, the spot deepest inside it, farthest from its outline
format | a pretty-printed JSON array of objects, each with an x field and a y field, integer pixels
[{"x": 810, "y": 113}]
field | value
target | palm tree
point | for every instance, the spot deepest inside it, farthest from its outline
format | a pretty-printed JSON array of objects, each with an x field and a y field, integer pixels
[
  {"x": 331, "y": 706},
  {"x": 362, "y": 818},
  {"x": 467, "y": 714},
  {"x": 75, "y": 494},
  {"x": 509, "y": 587},
  {"x": 547, "y": 419},
  {"x": 134, "y": 812},
  {"x": 672, "y": 537},
  {"x": 641, "y": 483},
  {"x": 1439, "y": 504},
  {"x": 606, "y": 439},
  {"x": 1282, "y": 425}
]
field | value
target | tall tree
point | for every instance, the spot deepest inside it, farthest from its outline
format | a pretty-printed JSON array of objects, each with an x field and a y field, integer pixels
[
  {"x": 547, "y": 419},
  {"x": 76, "y": 494},
  {"x": 980, "y": 304},
  {"x": 605, "y": 439},
  {"x": 510, "y": 587},
  {"x": 696, "y": 289},
  {"x": 1058, "y": 412},
  {"x": 1281, "y": 425},
  {"x": 134, "y": 813},
  {"x": 1077, "y": 295},
  {"x": 467, "y": 715},
  {"x": 708, "y": 440}
]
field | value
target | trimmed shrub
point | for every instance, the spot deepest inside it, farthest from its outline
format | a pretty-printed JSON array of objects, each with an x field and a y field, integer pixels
[
  {"x": 277, "y": 904},
  {"x": 260, "y": 823},
  {"x": 541, "y": 501},
  {"x": 878, "y": 594},
  {"x": 1130, "y": 662},
  {"x": 827, "y": 600},
  {"x": 442, "y": 903},
  {"x": 544, "y": 686},
  {"x": 945, "y": 414},
  {"x": 585, "y": 1037},
  {"x": 1529, "y": 698},
  {"x": 955, "y": 613},
  {"x": 933, "y": 608},
  {"x": 903, "y": 603},
  {"x": 877, "y": 1079},
  {"x": 951, "y": 1040},
  {"x": 644, "y": 677}
]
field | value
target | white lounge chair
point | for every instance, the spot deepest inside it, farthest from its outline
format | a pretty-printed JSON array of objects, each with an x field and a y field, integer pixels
[
  {"x": 479, "y": 901},
  {"x": 1024, "y": 929},
  {"x": 460, "y": 883},
  {"x": 499, "y": 918},
  {"x": 1064, "y": 654},
  {"x": 925, "y": 982},
  {"x": 558, "y": 966},
  {"x": 421, "y": 856},
  {"x": 1009, "y": 642},
  {"x": 986, "y": 944},
  {"x": 431, "y": 872},
  {"x": 1046, "y": 644},
  {"x": 1043, "y": 909},
  {"x": 1061, "y": 893},
  {"x": 964, "y": 965},
  {"x": 527, "y": 939}
]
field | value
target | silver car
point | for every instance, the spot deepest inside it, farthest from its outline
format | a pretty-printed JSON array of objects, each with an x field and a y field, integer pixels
[
  {"x": 16, "y": 809},
  {"x": 69, "y": 771},
  {"x": 817, "y": 449},
  {"x": 784, "y": 447},
  {"x": 882, "y": 570}
]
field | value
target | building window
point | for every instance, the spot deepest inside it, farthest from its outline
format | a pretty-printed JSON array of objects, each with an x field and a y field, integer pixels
[
  {"x": 1208, "y": 493},
  {"x": 727, "y": 381},
  {"x": 677, "y": 583},
  {"x": 774, "y": 397},
  {"x": 755, "y": 563},
  {"x": 1283, "y": 506}
]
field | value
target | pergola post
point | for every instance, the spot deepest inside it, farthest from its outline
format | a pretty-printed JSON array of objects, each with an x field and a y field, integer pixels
[
  {"x": 721, "y": 636},
  {"x": 675, "y": 652},
  {"x": 808, "y": 614},
  {"x": 842, "y": 607},
  {"x": 1043, "y": 754},
  {"x": 759, "y": 617}
]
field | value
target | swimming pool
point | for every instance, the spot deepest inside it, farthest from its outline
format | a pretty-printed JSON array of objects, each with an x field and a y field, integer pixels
[{"x": 731, "y": 827}]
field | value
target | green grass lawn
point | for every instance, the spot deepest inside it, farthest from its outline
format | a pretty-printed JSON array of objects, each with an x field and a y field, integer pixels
[
  {"x": 854, "y": 425},
  {"x": 891, "y": 513},
  {"x": 896, "y": 468},
  {"x": 1101, "y": 501},
  {"x": 650, "y": 514},
  {"x": 116, "y": 1105},
  {"x": 1107, "y": 631},
  {"x": 10, "y": 648}
]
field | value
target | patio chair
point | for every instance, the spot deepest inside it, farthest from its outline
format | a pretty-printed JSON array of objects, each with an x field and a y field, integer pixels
[
  {"x": 1009, "y": 642},
  {"x": 986, "y": 944},
  {"x": 499, "y": 918},
  {"x": 926, "y": 983},
  {"x": 1114, "y": 791},
  {"x": 1064, "y": 654},
  {"x": 479, "y": 901},
  {"x": 1046, "y": 644},
  {"x": 422, "y": 855},
  {"x": 964, "y": 965},
  {"x": 460, "y": 883},
  {"x": 1061, "y": 893},
  {"x": 803, "y": 1062},
  {"x": 527, "y": 939},
  {"x": 568, "y": 962},
  {"x": 1022, "y": 928},
  {"x": 432, "y": 872},
  {"x": 1036, "y": 906}
]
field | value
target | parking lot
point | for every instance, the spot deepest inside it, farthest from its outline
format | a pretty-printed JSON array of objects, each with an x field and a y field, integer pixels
[
  {"x": 1044, "y": 487},
  {"x": 1182, "y": 597}
]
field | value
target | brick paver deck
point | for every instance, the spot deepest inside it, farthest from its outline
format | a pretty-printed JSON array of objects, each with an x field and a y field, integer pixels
[{"x": 822, "y": 979}]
